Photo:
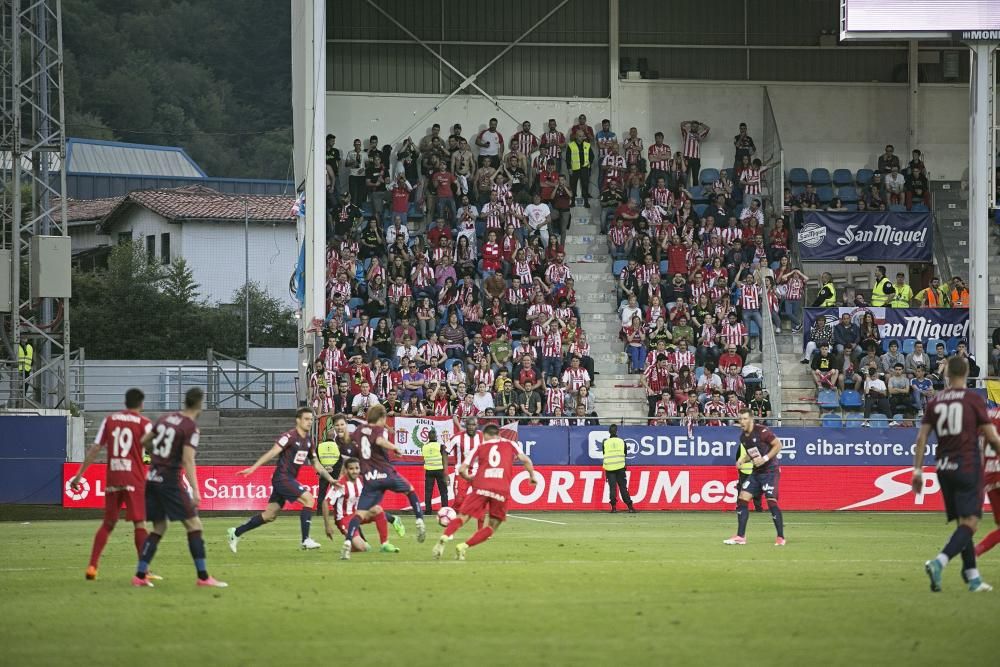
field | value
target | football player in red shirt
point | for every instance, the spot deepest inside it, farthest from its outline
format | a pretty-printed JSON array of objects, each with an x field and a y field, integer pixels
[
  {"x": 991, "y": 482},
  {"x": 119, "y": 435},
  {"x": 492, "y": 466}
]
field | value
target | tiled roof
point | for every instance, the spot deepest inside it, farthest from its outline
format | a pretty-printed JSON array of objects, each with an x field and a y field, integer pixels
[
  {"x": 83, "y": 210},
  {"x": 196, "y": 202}
]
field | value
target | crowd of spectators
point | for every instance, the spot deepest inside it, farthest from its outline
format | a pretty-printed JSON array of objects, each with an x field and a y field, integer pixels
[{"x": 448, "y": 290}]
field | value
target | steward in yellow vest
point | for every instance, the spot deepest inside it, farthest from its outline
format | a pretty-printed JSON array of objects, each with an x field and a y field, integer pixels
[
  {"x": 435, "y": 470},
  {"x": 613, "y": 449}
]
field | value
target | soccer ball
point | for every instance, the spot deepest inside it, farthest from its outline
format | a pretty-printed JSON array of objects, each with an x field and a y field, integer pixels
[{"x": 446, "y": 515}]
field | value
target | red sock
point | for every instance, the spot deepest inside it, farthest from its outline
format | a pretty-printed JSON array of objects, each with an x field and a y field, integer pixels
[
  {"x": 100, "y": 539},
  {"x": 991, "y": 540},
  {"x": 453, "y": 527},
  {"x": 140, "y": 539},
  {"x": 480, "y": 535},
  {"x": 382, "y": 526}
]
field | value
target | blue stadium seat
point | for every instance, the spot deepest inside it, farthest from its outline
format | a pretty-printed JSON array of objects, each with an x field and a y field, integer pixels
[
  {"x": 931, "y": 347},
  {"x": 728, "y": 171},
  {"x": 828, "y": 399},
  {"x": 373, "y": 322},
  {"x": 853, "y": 419},
  {"x": 696, "y": 191},
  {"x": 850, "y": 400},
  {"x": 908, "y": 345},
  {"x": 832, "y": 420},
  {"x": 878, "y": 420},
  {"x": 798, "y": 189},
  {"x": 798, "y": 176},
  {"x": 848, "y": 194},
  {"x": 353, "y": 324},
  {"x": 848, "y": 206},
  {"x": 899, "y": 418},
  {"x": 897, "y": 208},
  {"x": 664, "y": 265},
  {"x": 825, "y": 194},
  {"x": 708, "y": 176},
  {"x": 842, "y": 177},
  {"x": 698, "y": 373},
  {"x": 367, "y": 211},
  {"x": 820, "y": 176},
  {"x": 451, "y": 362},
  {"x": 617, "y": 267},
  {"x": 919, "y": 208},
  {"x": 414, "y": 213},
  {"x": 355, "y": 303},
  {"x": 700, "y": 209},
  {"x": 421, "y": 342},
  {"x": 864, "y": 177}
]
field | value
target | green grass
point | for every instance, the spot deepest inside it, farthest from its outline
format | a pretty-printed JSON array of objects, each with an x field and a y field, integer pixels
[{"x": 592, "y": 589}]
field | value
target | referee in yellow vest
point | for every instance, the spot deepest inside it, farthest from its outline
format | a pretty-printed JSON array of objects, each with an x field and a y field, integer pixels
[
  {"x": 435, "y": 470},
  {"x": 745, "y": 471},
  {"x": 614, "y": 469}
]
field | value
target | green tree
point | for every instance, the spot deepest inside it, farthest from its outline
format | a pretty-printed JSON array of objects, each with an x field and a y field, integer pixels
[
  {"x": 179, "y": 284},
  {"x": 272, "y": 324}
]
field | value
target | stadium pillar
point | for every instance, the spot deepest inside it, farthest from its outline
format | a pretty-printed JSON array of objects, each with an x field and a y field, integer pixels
[
  {"x": 614, "y": 83},
  {"x": 980, "y": 154},
  {"x": 913, "y": 115}
]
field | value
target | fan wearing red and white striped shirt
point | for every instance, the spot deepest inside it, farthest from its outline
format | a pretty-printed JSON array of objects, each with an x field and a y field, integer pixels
[
  {"x": 555, "y": 397},
  {"x": 557, "y": 272},
  {"x": 750, "y": 179},
  {"x": 733, "y": 383},
  {"x": 523, "y": 141},
  {"x": 659, "y": 155},
  {"x": 733, "y": 332},
  {"x": 552, "y": 144},
  {"x": 750, "y": 303},
  {"x": 655, "y": 380},
  {"x": 575, "y": 376},
  {"x": 684, "y": 355},
  {"x": 693, "y": 133}
]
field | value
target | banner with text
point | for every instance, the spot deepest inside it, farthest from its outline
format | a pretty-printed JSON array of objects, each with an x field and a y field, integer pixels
[
  {"x": 583, "y": 488},
  {"x": 924, "y": 324},
  {"x": 867, "y": 236}
]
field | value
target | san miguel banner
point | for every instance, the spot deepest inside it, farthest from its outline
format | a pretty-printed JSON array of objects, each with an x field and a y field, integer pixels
[
  {"x": 876, "y": 488},
  {"x": 867, "y": 236},
  {"x": 947, "y": 324}
]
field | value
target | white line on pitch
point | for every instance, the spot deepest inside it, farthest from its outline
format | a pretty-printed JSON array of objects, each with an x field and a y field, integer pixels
[{"x": 528, "y": 518}]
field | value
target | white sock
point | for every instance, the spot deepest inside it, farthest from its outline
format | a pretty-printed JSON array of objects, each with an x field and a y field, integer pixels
[
  {"x": 941, "y": 558},
  {"x": 972, "y": 574}
]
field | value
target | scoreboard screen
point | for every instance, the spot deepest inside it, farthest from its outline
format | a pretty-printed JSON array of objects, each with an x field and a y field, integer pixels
[{"x": 882, "y": 19}]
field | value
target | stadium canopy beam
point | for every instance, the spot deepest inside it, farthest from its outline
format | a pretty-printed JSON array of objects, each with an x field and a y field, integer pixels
[
  {"x": 614, "y": 65},
  {"x": 981, "y": 137},
  {"x": 466, "y": 80}
]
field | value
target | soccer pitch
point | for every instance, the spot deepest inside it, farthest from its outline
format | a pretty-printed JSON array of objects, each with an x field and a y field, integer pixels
[{"x": 548, "y": 589}]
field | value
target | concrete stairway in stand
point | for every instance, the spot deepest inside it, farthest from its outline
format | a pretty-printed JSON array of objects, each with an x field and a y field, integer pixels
[
  {"x": 617, "y": 394},
  {"x": 798, "y": 389}
]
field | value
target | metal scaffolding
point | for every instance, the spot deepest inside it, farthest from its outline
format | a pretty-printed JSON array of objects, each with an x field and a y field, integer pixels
[{"x": 32, "y": 148}]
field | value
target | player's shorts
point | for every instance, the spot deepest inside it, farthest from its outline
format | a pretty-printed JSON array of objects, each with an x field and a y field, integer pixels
[
  {"x": 962, "y": 492},
  {"x": 994, "y": 496},
  {"x": 286, "y": 491},
  {"x": 478, "y": 506},
  {"x": 134, "y": 502},
  {"x": 762, "y": 484},
  {"x": 168, "y": 500},
  {"x": 373, "y": 490}
]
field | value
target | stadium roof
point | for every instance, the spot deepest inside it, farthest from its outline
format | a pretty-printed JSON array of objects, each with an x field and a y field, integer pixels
[
  {"x": 196, "y": 202},
  {"x": 92, "y": 156}
]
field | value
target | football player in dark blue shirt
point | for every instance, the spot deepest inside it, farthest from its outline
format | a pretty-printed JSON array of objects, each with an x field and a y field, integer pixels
[
  {"x": 762, "y": 448},
  {"x": 293, "y": 448}
]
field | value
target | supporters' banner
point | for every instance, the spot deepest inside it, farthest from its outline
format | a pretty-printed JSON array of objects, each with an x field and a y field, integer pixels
[
  {"x": 993, "y": 394},
  {"x": 411, "y": 433},
  {"x": 709, "y": 445},
  {"x": 867, "y": 236},
  {"x": 878, "y": 488},
  {"x": 946, "y": 324}
]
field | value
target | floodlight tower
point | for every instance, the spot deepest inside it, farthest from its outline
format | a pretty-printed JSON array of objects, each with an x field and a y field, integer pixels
[{"x": 34, "y": 245}]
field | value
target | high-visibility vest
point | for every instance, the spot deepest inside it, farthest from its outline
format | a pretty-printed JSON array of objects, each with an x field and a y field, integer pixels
[
  {"x": 831, "y": 300},
  {"x": 432, "y": 456},
  {"x": 747, "y": 467},
  {"x": 25, "y": 355},
  {"x": 935, "y": 298},
  {"x": 614, "y": 454},
  {"x": 328, "y": 453},
  {"x": 575, "y": 157},
  {"x": 879, "y": 296},
  {"x": 958, "y": 299},
  {"x": 901, "y": 299}
]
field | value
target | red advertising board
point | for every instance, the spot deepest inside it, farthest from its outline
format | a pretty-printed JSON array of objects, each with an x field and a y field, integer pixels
[{"x": 583, "y": 488}]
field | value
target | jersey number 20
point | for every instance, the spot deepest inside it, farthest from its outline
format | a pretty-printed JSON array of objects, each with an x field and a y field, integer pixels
[{"x": 949, "y": 418}]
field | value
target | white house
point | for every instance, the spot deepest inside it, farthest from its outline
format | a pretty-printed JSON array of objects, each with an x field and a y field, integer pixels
[{"x": 202, "y": 226}]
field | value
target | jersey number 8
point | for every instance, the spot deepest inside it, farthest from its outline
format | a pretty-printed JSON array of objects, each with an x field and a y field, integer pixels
[
  {"x": 366, "y": 447},
  {"x": 164, "y": 441}
]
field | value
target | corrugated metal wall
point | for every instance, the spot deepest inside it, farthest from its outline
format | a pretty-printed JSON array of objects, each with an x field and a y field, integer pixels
[
  {"x": 364, "y": 65},
  {"x": 538, "y": 71}
]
